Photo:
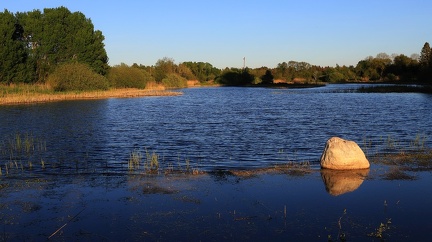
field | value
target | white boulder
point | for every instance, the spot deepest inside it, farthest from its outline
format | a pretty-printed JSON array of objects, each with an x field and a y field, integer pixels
[{"x": 340, "y": 154}]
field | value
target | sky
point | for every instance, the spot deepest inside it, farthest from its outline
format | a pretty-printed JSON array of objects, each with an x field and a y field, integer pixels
[{"x": 265, "y": 33}]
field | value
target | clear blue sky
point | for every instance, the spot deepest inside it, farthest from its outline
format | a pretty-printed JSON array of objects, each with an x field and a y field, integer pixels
[{"x": 268, "y": 32}]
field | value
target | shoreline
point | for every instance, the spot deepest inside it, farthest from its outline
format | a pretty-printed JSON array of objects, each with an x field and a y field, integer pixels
[{"x": 32, "y": 98}]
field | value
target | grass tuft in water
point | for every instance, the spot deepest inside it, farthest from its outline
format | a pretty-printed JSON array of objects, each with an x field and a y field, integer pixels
[
  {"x": 19, "y": 151},
  {"x": 134, "y": 160},
  {"x": 381, "y": 230},
  {"x": 152, "y": 162}
]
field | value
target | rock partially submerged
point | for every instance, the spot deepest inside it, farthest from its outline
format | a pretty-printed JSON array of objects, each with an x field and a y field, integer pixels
[{"x": 340, "y": 154}]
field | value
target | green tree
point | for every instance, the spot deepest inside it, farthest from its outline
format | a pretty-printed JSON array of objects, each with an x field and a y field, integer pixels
[
  {"x": 236, "y": 77},
  {"x": 164, "y": 67},
  {"x": 203, "y": 71},
  {"x": 425, "y": 62},
  {"x": 13, "y": 56},
  {"x": 281, "y": 70},
  {"x": 185, "y": 72},
  {"x": 267, "y": 78},
  {"x": 71, "y": 37},
  {"x": 425, "y": 55}
]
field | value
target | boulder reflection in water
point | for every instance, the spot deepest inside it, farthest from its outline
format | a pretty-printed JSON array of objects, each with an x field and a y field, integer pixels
[{"x": 338, "y": 182}]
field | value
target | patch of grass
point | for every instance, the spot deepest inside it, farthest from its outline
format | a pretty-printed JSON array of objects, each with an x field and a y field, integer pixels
[
  {"x": 396, "y": 89},
  {"x": 412, "y": 156},
  {"x": 290, "y": 168},
  {"x": 381, "y": 230},
  {"x": 152, "y": 162},
  {"x": 415, "y": 160},
  {"x": 18, "y": 152},
  {"x": 134, "y": 160},
  {"x": 396, "y": 173}
]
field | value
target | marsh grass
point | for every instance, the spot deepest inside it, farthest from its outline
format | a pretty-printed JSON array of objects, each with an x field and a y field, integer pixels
[
  {"x": 409, "y": 155},
  {"x": 382, "y": 229},
  {"x": 27, "y": 94},
  {"x": 152, "y": 163},
  {"x": 134, "y": 161},
  {"x": 396, "y": 173},
  {"x": 19, "y": 151},
  {"x": 289, "y": 168}
]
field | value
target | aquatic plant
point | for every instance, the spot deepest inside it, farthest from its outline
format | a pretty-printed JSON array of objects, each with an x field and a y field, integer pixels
[
  {"x": 134, "y": 160},
  {"x": 19, "y": 151},
  {"x": 152, "y": 161},
  {"x": 380, "y": 231}
]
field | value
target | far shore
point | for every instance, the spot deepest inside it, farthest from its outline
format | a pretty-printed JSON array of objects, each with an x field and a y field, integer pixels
[{"x": 36, "y": 97}]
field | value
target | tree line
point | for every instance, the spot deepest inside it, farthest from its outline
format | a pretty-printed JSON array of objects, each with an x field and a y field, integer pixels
[{"x": 62, "y": 49}]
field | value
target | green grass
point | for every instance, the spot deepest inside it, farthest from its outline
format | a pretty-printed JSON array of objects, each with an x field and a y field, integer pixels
[{"x": 19, "y": 152}]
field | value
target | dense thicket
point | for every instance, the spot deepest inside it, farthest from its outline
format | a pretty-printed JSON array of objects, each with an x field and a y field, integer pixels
[
  {"x": 76, "y": 76},
  {"x": 35, "y": 43},
  {"x": 123, "y": 76}
]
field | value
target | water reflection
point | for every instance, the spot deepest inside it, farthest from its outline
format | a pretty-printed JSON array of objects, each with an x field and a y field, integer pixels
[{"x": 338, "y": 182}]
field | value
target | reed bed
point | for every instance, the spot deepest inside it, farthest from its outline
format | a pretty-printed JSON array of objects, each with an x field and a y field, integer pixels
[{"x": 28, "y": 94}]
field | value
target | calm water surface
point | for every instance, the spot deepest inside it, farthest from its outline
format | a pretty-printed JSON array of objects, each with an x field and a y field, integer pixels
[{"x": 220, "y": 128}]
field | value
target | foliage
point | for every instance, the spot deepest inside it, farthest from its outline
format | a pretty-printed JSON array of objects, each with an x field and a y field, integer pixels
[
  {"x": 267, "y": 78},
  {"x": 184, "y": 71},
  {"x": 163, "y": 67},
  {"x": 123, "y": 76},
  {"x": 29, "y": 52},
  {"x": 173, "y": 80},
  {"x": 425, "y": 55},
  {"x": 236, "y": 77},
  {"x": 76, "y": 77},
  {"x": 203, "y": 71},
  {"x": 13, "y": 58}
]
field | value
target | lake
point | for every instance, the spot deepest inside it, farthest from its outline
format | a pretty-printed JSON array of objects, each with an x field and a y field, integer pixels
[
  {"x": 220, "y": 128},
  {"x": 70, "y": 180}
]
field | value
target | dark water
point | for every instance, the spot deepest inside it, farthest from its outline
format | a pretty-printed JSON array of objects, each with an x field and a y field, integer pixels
[{"x": 219, "y": 128}]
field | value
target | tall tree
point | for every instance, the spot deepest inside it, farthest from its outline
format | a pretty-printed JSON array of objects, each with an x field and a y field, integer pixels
[
  {"x": 57, "y": 36},
  {"x": 267, "y": 78},
  {"x": 164, "y": 67},
  {"x": 425, "y": 55},
  {"x": 13, "y": 55}
]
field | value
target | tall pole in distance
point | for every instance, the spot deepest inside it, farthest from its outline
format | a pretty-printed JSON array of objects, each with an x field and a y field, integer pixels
[{"x": 244, "y": 63}]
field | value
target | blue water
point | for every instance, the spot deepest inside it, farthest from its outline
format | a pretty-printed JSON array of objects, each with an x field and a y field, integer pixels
[{"x": 220, "y": 128}]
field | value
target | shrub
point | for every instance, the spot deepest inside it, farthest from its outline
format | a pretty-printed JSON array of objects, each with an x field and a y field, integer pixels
[
  {"x": 123, "y": 76},
  {"x": 174, "y": 81},
  {"x": 76, "y": 77}
]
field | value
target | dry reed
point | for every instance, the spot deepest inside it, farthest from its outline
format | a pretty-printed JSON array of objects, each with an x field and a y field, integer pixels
[{"x": 29, "y": 96}]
